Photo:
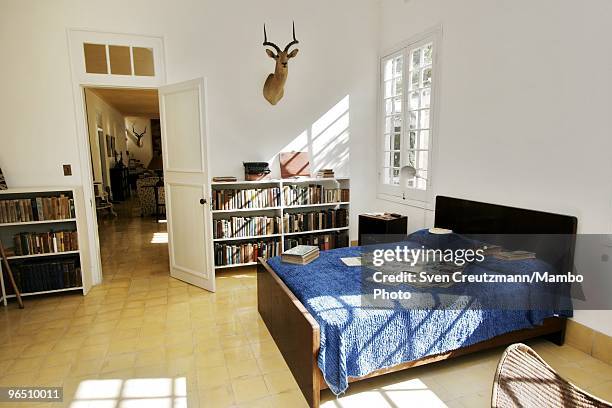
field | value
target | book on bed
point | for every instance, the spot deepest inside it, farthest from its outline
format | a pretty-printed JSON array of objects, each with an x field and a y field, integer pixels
[{"x": 301, "y": 254}]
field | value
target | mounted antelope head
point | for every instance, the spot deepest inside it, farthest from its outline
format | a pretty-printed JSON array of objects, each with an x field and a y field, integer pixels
[
  {"x": 139, "y": 136},
  {"x": 273, "y": 89}
]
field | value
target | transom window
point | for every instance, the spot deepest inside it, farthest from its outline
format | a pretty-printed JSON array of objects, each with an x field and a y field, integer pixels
[{"x": 407, "y": 102}]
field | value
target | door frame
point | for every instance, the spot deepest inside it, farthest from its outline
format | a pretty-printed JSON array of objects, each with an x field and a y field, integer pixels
[{"x": 79, "y": 83}]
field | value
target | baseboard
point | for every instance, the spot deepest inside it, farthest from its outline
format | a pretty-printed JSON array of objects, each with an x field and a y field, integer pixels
[{"x": 592, "y": 342}]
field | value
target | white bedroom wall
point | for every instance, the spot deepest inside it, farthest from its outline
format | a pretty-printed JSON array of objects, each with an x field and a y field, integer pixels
[
  {"x": 525, "y": 98},
  {"x": 337, "y": 62}
]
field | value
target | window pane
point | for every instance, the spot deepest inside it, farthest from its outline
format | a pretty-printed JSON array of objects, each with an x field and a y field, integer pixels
[
  {"x": 397, "y": 142},
  {"x": 414, "y": 100},
  {"x": 398, "y": 105},
  {"x": 397, "y": 89},
  {"x": 95, "y": 58},
  {"x": 388, "y": 88},
  {"x": 412, "y": 136},
  {"x": 120, "y": 60},
  {"x": 399, "y": 65},
  {"x": 427, "y": 77},
  {"x": 424, "y": 119},
  {"x": 416, "y": 59},
  {"x": 396, "y": 173},
  {"x": 412, "y": 117},
  {"x": 412, "y": 159},
  {"x": 388, "y": 159},
  {"x": 414, "y": 80},
  {"x": 424, "y": 139},
  {"x": 388, "y": 70},
  {"x": 425, "y": 98},
  {"x": 143, "y": 61},
  {"x": 388, "y": 106},
  {"x": 397, "y": 124},
  {"x": 427, "y": 54},
  {"x": 396, "y": 159},
  {"x": 386, "y": 175},
  {"x": 423, "y": 159}
]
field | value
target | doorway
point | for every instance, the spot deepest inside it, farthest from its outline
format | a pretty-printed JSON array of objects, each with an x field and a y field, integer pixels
[{"x": 128, "y": 181}]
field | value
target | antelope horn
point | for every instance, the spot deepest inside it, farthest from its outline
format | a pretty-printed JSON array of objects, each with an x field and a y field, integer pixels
[
  {"x": 266, "y": 43},
  {"x": 295, "y": 41}
]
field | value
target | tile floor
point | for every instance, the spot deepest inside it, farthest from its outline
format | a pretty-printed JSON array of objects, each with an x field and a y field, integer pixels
[{"x": 143, "y": 339}]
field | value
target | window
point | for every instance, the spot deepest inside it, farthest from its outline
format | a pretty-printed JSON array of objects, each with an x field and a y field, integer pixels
[
  {"x": 124, "y": 60},
  {"x": 407, "y": 84}
]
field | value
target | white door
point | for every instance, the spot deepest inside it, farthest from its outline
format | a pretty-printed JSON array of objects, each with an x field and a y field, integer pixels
[{"x": 184, "y": 145}]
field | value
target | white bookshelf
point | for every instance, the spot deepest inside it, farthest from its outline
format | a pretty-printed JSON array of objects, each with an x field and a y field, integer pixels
[
  {"x": 279, "y": 211},
  {"x": 9, "y": 229}
]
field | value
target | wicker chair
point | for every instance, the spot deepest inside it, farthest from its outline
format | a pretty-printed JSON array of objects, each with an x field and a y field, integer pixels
[{"x": 523, "y": 379}]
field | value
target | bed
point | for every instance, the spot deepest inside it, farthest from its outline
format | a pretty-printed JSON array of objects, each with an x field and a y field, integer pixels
[{"x": 328, "y": 343}]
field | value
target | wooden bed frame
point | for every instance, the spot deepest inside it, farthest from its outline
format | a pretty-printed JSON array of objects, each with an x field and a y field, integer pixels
[{"x": 297, "y": 334}]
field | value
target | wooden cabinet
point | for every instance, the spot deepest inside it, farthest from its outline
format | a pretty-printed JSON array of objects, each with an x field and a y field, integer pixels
[{"x": 120, "y": 183}]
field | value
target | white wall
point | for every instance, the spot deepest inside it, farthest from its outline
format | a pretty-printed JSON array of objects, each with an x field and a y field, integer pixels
[
  {"x": 338, "y": 48},
  {"x": 143, "y": 153},
  {"x": 112, "y": 122},
  {"x": 525, "y": 101}
]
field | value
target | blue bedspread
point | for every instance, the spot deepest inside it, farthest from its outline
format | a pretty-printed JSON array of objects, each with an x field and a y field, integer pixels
[{"x": 356, "y": 339}]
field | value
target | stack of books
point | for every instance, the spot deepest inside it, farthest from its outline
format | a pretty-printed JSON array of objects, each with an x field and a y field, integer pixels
[
  {"x": 224, "y": 179},
  {"x": 325, "y": 173},
  {"x": 301, "y": 254},
  {"x": 514, "y": 255}
]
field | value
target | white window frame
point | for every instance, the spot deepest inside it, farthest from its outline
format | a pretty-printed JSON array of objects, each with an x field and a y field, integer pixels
[{"x": 401, "y": 193}]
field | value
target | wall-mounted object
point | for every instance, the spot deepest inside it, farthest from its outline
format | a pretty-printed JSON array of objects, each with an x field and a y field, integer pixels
[
  {"x": 67, "y": 169},
  {"x": 274, "y": 87},
  {"x": 139, "y": 136}
]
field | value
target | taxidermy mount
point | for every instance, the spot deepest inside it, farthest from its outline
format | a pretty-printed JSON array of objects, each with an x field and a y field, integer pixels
[{"x": 274, "y": 88}]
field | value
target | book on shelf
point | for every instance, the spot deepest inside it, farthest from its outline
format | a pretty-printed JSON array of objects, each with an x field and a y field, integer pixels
[
  {"x": 235, "y": 254},
  {"x": 236, "y": 227},
  {"x": 315, "y": 220},
  {"x": 224, "y": 179},
  {"x": 301, "y": 254},
  {"x": 313, "y": 194},
  {"x": 233, "y": 199},
  {"x": 44, "y": 276},
  {"x": 33, "y": 243},
  {"x": 326, "y": 173},
  {"x": 323, "y": 241},
  {"x": 36, "y": 209}
]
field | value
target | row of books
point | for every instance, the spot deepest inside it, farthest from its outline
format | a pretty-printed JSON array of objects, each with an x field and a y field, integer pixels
[
  {"x": 314, "y": 194},
  {"x": 308, "y": 221},
  {"x": 323, "y": 241},
  {"x": 44, "y": 276},
  {"x": 326, "y": 173},
  {"x": 246, "y": 226},
  {"x": 31, "y": 243},
  {"x": 233, "y": 199},
  {"x": 36, "y": 209},
  {"x": 232, "y": 254}
]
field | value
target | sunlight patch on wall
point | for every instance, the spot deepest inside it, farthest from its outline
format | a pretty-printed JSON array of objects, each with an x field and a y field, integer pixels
[{"x": 326, "y": 140}]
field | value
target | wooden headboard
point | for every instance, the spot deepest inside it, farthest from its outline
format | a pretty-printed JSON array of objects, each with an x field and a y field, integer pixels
[
  {"x": 473, "y": 217},
  {"x": 550, "y": 236}
]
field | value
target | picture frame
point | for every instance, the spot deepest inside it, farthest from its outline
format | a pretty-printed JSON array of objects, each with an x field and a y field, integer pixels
[
  {"x": 3, "y": 185},
  {"x": 109, "y": 151}
]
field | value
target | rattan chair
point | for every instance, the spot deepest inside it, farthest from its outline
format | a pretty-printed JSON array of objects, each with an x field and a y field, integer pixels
[{"x": 523, "y": 379}]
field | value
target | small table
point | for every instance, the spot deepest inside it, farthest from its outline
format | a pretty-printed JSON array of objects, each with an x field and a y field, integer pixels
[{"x": 382, "y": 224}]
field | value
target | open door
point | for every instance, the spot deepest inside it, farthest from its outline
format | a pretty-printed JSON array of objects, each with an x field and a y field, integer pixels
[{"x": 182, "y": 110}]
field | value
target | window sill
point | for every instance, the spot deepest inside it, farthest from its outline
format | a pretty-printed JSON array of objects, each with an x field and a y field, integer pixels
[{"x": 424, "y": 205}]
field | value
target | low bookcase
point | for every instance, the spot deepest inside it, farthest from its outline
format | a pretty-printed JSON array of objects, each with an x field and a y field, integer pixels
[
  {"x": 39, "y": 229},
  {"x": 263, "y": 218}
]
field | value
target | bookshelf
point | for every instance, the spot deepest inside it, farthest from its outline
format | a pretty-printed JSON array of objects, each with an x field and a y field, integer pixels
[
  {"x": 289, "y": 198},
  {"x": 39, "y": 228}
]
